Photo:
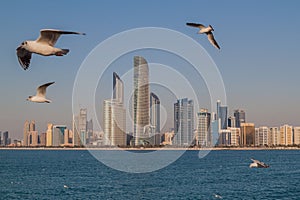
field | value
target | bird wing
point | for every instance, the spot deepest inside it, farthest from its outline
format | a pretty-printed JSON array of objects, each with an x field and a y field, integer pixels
[
  {"x": 24, "y": 57},
  {"x": 196, "y": 25},
  {"x": 41, "y": 90},
  {"x": 212, "y": 40},
  {"x": 50, "y": 36},
  {"x": 255, "y": 161}
]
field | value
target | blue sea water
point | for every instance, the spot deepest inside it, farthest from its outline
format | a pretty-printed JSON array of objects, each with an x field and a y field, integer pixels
[{"x": 42, "y": 174}]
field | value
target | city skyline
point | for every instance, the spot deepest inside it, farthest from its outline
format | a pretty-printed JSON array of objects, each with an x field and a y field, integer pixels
[{"x": 260, "y": 76}]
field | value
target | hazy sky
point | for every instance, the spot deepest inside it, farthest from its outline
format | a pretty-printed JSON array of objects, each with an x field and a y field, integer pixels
[{"x": 259, "y": 57}]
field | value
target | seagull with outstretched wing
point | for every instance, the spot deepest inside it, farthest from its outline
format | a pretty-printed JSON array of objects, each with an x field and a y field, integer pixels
[
  {"x": 40, "y": 96},
  {"x": 44, "y": 45},
  {"x": 208, "y": 31}
]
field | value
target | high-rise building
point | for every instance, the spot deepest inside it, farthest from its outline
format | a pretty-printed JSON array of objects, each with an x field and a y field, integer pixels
[
  {"x": 231, "y": 122},
  {"x": 235, "y": 136},
  {"x": 203, "y": 135},
  {"x": 297, "y": 135},
  {"x": 222, "y": 115},
  {"x": 75, "y": 129},
  {"x": 240, "y": 117},
  {"x": 32, "y": 138},
  {"x": 114, "y": 123},
  {"x": 27, "y": 128},
  {"x": 263, "y": 136},
  {"x": 90, "y": 129},
  {"x": 43, "y": 138},
  {"x": 49, "y": 135},
  {"x": 155, "y": 118},
  {"x": 274, "y": 136},
  {"x": 184, "y": 122},
  {"x": 68, "y": 137},
  {"x": 5, "y": 141},
  {"x": 114, "y": 115},
  {"x": 58, "y": 135},
  {"x": 286, "y": 135},
  {"x": 247, "y": 134},
  {"x": 141, "y": 104},
  {"x": 118, "y": 88},
  {"x": 83, "y": 125}
]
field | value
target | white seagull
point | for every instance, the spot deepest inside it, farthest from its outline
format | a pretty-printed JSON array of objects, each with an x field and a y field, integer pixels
[
  {"x": 208, "y": 31},
  {"x": 44, "y": 45},
  {"x": 40, "y": 96}
]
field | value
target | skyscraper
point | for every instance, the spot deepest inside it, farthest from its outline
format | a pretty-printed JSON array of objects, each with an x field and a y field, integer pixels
[
  {"x": 27, "y": 128},
  {"x": 49, "y": 135},
  {"x": 141, "y": 104},
  {"x": 247, "y": 134},
  {"x": 155, "y": 117},
  {"x": 263, "y": 136},
  {"x": 240, "y": 117},
  {"x": 222, "y": 115},
  {"x": 58, "y": 135},
  {"x": 75, "y": 130},
  {"x": 114, "y": 115},
  {"x": 114, "y": 123},
  {"x": 184, "y": 122},
  {"x": 118, "y": 88},
  {"x": 83, "y": 125},
  {"x": 231, "y": 122},
  {"x": 5, "y": 138},
  {"x": 203, "y": 136}
]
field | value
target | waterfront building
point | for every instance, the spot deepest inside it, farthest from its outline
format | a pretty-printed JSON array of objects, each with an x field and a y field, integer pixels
[
  {"x": 286, "y": 135},
  {"x": 114, "y": 115},
  {"x": 240, "y": 117},
  {"x": 49, "y": 135},
  {"x": 5, "y": 138},
  {"x": 28, "y": 126},
  {"x": 32, "y": 138},
  {"x": 203, "y": 133},
  {"x": 274, "y": 136},
  {"x": 141, "y": 104},
  {"x": 58, "y": 135},
  {"x": 247, "y": 134},
  {"x": 263, "y": 136},
  {"x": 155, "y": 119},
  {"x": 297, "y": 135},
  {"x": 43, "y": 138},
  {"x": 184, "y": 122}
]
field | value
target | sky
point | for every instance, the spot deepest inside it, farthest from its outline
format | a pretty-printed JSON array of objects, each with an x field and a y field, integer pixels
[{"x": 258, "y": 61}]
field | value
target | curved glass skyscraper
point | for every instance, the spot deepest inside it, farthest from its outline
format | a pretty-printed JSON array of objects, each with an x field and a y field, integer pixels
[{"x": 141, "y": 104}]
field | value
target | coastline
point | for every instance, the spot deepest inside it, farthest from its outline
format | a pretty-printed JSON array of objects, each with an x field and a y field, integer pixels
[{"x": 149, "y": 149}]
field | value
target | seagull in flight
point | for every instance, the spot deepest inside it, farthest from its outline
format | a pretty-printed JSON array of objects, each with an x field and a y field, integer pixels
[
  {"x": 208, "y": 31},
  {"x": 44, "y": 45},
  {"x": 40, "y": 96}
]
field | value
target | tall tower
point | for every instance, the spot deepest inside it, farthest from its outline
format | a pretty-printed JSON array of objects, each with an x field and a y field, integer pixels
[
  {"x": 204, "y": 137},
  {"x": 155, "y": 117},
  {"x": 27, "y": 128},
  {"x": 184, "y": 122},
  {"x": 240, "y": 117},
  {"x": 83, "y": 125},
  {"x": 118, "y": 88},
  {"x": 49, "y": 135},
  {"x": 222, "y": 115},
  {"x": 141, "y": 104},
  {"x": 75, "y": 130},
  {"x": 115, "y": 115}
]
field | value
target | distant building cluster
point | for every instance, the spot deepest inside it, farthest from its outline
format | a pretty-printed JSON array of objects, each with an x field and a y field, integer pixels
[{"x": 191, "y": 128}]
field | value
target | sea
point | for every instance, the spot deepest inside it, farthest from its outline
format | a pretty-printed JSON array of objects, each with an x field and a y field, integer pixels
[{"x": 222, "y": 174}]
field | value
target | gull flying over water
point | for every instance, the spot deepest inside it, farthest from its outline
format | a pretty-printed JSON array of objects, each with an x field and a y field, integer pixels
[
  {"x": 208, "y": 31},
  {"x": 44, "y": 45},
  {"x": 40, "y": 96}
]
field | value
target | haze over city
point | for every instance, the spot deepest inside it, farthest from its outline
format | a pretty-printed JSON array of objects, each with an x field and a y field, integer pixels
[{"x": 258, "y": 60}]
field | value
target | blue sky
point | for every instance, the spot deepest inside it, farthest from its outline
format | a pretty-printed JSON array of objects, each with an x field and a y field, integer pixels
[{"x": 259, "y": 59}]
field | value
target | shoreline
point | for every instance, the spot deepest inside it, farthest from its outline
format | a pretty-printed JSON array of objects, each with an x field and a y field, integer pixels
[{"x": 150, "y": 149}]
